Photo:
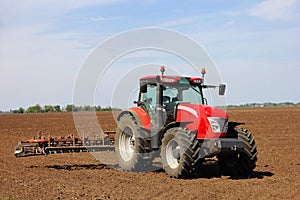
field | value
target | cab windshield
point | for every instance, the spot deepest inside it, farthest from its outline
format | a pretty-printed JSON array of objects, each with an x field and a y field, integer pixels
[{"x": 184, "y": 93}]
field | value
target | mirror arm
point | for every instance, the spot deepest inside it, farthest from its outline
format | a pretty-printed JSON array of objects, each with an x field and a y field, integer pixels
[{"x": 139, "y": 103}]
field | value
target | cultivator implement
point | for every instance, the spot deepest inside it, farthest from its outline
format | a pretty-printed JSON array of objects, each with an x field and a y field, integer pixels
[{"x": 44, "y": 144}]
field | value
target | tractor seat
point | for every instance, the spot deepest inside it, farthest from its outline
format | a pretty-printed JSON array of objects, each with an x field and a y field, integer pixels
[
  {"x": 166, "y": 100},
  {"x": 170, "y": 110}
]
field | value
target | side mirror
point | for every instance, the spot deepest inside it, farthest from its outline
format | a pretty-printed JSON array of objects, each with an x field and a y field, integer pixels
[
  {"x": 222, "y": 88},
  {"x": 143, "y": 88}
]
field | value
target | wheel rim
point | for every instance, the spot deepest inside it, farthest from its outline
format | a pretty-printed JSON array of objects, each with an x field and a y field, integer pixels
[
  {"x": 173, "y": 154},
  {"x": 126, "y": 144}
]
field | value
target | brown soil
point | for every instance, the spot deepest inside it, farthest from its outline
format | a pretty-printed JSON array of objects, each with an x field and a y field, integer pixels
[{"x": 81, "y": 176}]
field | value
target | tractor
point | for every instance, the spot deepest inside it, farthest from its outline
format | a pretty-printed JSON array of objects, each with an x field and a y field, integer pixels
[{"x": 173, "y": 121}]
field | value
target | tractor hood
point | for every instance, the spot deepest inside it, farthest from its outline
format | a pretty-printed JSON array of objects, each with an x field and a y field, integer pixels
[{"x": 208, "y": 121}]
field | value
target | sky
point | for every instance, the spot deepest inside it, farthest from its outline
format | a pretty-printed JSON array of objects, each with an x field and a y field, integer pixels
[{"x": 43, "y": 44}]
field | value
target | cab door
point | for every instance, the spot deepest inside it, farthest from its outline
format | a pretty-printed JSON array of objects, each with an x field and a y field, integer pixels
[{"x": 148, "y": 99}]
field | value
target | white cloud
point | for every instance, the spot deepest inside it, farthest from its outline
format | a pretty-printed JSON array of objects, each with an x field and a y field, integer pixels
[
  {"x": 49, "y": 4},
  {"x": 229, "y": 23},
  {"x": 234, "y": 13},
  {"x": 275, "y": 9},
  {"x": 12, "y": 11},
  {"x": 178, "y": 22},
  {"x": 37, "y": 68},
  {"x": 101, "y": 19}
]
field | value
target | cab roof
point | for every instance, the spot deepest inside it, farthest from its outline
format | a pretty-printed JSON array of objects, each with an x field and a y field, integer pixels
[{"x": 171, "y": 79}]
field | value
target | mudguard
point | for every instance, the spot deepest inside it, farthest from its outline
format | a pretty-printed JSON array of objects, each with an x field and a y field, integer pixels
[{"x": 141, "y": 117}]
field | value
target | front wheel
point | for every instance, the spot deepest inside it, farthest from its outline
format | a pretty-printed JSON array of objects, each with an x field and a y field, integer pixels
[
  {"x": 241, "y": 164},
  {"x": 178, "y": 153}
]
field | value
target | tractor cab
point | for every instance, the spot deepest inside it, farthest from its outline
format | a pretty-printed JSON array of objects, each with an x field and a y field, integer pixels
[
  {"x": 165, "y": 93},
  {"x": 160, "y": 95}
]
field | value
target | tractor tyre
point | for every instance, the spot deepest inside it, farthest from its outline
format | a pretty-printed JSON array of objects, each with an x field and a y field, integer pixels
[
  {"x": 130, "y": 145},
  {"x": 240, "y": 164},
  {"x": 179, "y": 153}
]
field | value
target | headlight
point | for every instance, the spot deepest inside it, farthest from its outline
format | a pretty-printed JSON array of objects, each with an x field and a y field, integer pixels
[{"x": 217, "y": 124}]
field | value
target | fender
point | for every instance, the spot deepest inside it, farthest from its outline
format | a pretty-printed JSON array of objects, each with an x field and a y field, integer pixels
[
  {"x": 232, "y": 125},
  {"x": 141, "y": 117},
  {"x": 174, "y": 124}
]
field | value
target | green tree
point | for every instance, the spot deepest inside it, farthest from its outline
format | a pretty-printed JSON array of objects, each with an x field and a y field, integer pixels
[
  {"x": 69, "y": 108},
  {"x": 98, "y": 108},
  {"x": 34, "y": 109},
  {"x": 20, "y": 110},
  {"x": 107, "y": 109},
  {"x": 57, "y": 108},
  {"x": 88, "y": 108},
  {"x": 48, "y": 108}
]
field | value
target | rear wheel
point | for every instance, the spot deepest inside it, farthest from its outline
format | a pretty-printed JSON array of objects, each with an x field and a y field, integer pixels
[
  {"x": 130, "y": 143},
  {"x": 240, "y": 164},
  {"x": 178, "y": 154}
]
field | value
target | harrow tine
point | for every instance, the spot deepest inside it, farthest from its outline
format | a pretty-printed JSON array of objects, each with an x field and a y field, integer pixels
[{"x": 42, "y": 145}]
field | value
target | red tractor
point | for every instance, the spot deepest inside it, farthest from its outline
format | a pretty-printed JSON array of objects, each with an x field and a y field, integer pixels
[{"x": 172, "y": 118}]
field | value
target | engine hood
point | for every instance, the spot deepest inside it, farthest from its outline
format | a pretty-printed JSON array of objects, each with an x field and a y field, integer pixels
[
  {"x": 196, "y": 118},
  {"x": 197, "y": 110}
]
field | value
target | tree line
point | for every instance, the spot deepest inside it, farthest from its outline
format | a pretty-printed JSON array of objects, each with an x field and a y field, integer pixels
[
  {"x": 267, "y": 104},
  {"x": 57, "y": 108},
  {"x": 72, "y": 108}
]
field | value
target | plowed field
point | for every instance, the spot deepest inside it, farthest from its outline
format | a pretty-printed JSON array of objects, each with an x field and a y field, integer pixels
[{"x": 81, "y": 176}]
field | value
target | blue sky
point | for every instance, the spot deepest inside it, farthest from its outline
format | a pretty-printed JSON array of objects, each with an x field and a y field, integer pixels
[{"x": 255, "y": 44}]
